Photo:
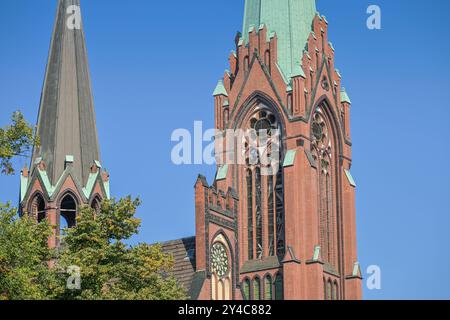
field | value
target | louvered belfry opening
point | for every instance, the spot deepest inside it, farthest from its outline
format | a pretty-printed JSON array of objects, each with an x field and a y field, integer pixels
[{"x": 68, "y": 212}]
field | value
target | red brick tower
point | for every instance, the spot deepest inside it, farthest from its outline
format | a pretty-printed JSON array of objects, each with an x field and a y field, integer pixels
[
  {"x": 65, "y": 171},
  {"x": 291, "y": 234}
]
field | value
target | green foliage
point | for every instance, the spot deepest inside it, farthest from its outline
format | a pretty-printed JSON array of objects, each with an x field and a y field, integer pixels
[
  {"x": 109, "y": 269},
  {"x": 15, "y": 140},
  {"x": 24, "y": 256}
]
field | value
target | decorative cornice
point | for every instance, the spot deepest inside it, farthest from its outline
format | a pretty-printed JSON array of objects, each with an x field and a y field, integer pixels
[
  {"x": 220, "y": 221},
  {"x": 267, "y": 263},
  {"x": 52, "y": 191}
]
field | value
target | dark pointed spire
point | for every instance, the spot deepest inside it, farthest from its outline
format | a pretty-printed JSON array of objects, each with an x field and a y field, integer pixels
[{"x": 66, "y": 122}]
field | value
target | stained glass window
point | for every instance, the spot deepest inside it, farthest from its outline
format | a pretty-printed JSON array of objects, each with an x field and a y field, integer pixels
[
  {"x": 256, "y": 289},
  {"x": 250, "y": 213},
  {"x": 265, "y": 193},
  {"x": 221, "y": 269},
  {"x": 259, "y": 244},
  {"x": 322, "y": 149},
  {"x": 268, "y": 287},
  {"x": 219, "y": 260},
  {"x": 246, "y": 289},
  {"x": 279, "y": 194},
  {"x": 279, "y": 287},
  {"x": 270, "y": 215}
]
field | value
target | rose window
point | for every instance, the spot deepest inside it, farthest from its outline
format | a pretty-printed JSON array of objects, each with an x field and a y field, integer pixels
[{"x": 219, "y": 260}]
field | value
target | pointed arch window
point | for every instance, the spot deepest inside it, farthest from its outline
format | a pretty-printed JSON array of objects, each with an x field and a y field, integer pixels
[
  {"x": 214, "y": 287},
  {"x": 289, "y": 103},
  {"x": 322, "y": 150},
  {"x": 258, "y": 213},
  {"x": 257, "y": 289},
  {"x": 96, "y": 204},
  {"x": 329, "y": 289},
  {"x": 38, "y": 210},
  {"x": 226, "y": 117},
  {"x": 279, "y": 293},
  {"x": 268, "y": 287},
  {"x": 279, "y": 193},
  {"x": 67, "y": 212},
  {"x": 221, "y": 270},
  {"x": 250, "y": 213},
  {"x": 335, "y": 295},
  {"x": 246, "y": 64},
  {"x": 265, "y": 192},
  {"x": 267, "y": 60},
  {"x": 270, "y": 215},
  {"x": 246, "y": 289},
  {"x": 220, "y": 290}
]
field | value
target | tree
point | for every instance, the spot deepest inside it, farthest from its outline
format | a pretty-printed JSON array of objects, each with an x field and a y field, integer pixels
[
  {"x": 110, "y": 269},
  {"x": 15, "y": 140},
  {"x": 24, "y": 256}
]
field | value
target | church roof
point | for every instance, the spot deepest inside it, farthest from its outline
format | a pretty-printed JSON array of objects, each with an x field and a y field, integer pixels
[
  {"x": 183, "y": 252},
  {"x": 291, "y": 20},
  {"x": 66, "y": 122}
]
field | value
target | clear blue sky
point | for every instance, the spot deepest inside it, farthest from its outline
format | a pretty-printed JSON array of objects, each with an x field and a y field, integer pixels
[{"x": 154, "y": 65}]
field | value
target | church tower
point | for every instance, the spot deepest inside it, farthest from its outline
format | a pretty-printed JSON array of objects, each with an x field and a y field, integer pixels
[
  {"x": 287, "y": 231},
  {"x": 65, "y": 172}
]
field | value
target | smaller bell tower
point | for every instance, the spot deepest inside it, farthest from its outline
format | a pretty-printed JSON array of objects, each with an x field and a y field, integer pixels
[{"x": 65, "y": 172}]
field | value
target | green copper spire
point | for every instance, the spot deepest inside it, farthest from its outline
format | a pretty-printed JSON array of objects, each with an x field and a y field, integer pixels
[
  {"x": 344, "y": 97},
  {"x": 220, "y": 90},
  {"x": 291, "y": 20}
]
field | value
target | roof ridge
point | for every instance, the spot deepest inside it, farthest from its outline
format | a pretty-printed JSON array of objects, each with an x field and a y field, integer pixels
[{"x": 177, "y": 240}]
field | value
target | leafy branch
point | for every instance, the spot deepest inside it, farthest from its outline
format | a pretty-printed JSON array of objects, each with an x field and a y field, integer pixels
[{"x": 16, "y": 140}]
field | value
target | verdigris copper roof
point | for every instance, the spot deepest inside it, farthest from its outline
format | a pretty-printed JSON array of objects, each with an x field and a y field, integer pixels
[
  {"x": 291, "y": 20},
  {"x": 66, "y": 121},
  {"x": 183, "y": 252}
]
